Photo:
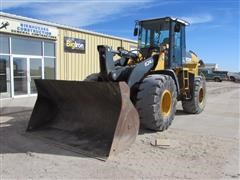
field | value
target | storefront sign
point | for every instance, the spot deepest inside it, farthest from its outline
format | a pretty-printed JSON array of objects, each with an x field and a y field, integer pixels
[
  {"x": 28, "y": 29},
  {"x": 74, "y": 45}
]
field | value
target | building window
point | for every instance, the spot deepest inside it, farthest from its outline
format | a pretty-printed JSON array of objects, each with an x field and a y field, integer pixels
[
  {"x": 26, "y": 46},
  {"x": 4, "y": 44},
  {"x": 49, "y": 49},
  {"x": 49, "y": 68}
]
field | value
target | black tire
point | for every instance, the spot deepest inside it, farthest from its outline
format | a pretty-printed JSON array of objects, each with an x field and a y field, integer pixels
[
  {"x": 93, "y": 77},
  {"x": 232, "y": 78},
  {"x": 151, "y": 94},
  {"x": 217, "y": 79},
  {"x": 197, "y": 104}
]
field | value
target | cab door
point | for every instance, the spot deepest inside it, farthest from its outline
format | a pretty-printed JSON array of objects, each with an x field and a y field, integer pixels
[{"x": 178, "y": 47}]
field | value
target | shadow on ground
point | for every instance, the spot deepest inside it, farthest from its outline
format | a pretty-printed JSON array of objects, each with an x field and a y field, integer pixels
[
  {"x": 181, "y": 113},
  {"x": 13, "y": 110},
  {"x": 15, "y": 139}
]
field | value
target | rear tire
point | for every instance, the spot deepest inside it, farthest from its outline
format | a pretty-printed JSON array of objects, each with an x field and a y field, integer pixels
[
  {"x": 93, "y": 77},
  {"x": 156, "y": 102},
  {"x": 217, "y": 79},
  {"x": 232, "y": 78},
  {"x": 197, "y": 104}
]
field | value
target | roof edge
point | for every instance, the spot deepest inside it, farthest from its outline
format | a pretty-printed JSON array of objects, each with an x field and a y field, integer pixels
[
  {"x": 18, "y": 17},
  {"x": 167, "y": 17}
]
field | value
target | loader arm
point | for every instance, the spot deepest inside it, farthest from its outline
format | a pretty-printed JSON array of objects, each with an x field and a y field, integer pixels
[
  {"x": 106, "y": 62},
  {"x": 131, "y": 74}
]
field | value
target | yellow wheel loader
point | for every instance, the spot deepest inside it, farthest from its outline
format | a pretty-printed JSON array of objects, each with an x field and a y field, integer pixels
[{"x": 102, "y": 114}]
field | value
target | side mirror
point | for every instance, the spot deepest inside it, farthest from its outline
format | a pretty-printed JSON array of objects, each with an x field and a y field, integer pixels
[{"x": 135, "y": 33}]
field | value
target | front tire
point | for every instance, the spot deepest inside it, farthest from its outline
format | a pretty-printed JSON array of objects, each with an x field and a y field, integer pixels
[
  {"x": 197, "y": 104},
  {"x": 156, "y": 102}
]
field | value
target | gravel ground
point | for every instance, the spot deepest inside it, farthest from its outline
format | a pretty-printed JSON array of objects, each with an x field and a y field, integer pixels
[{"x": 204, "y": 146}]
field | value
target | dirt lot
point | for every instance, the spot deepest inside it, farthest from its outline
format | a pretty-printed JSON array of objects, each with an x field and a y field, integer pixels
[{"x": 204, "y": 146}]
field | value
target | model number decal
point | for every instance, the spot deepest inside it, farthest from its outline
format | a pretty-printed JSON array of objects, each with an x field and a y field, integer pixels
[{"x": 147, "y": 63}]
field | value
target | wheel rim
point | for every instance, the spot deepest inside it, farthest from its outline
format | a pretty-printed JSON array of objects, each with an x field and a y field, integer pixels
[
  {"x": 201, "y": 96},
  {"x": 166, "y": 103}
]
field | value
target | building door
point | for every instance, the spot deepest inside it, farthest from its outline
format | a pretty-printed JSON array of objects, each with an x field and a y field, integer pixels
[
  {"x": 35, "y": 72},
  {"x": 20, "y": 76},
  {"x": 25, "y": 70},
  {"x": 5, "y": 78}
]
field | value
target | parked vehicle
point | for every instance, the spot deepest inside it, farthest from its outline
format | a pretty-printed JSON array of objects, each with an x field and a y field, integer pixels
[
  {"x": 234, "y": 76},
  {"x": 217, "y": 76}
]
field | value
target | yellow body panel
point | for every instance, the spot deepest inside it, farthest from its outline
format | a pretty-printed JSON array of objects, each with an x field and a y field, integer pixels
[
  {"x": 161, "y": 63},
  {"x": 189, "y": 67},
  {"x": 192, "y": 66}
]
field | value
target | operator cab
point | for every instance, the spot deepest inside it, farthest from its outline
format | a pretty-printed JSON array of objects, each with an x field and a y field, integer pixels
[{"x": 162, "y": 33}]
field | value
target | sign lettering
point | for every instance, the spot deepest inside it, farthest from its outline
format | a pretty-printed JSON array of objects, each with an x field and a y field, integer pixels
[
  {"x": 27, "y": 28},
  {"x": 74, "y": 45}
]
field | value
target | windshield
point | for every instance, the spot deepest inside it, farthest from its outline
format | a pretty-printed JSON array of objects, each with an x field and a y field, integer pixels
[{"x": 154, "y": 34}]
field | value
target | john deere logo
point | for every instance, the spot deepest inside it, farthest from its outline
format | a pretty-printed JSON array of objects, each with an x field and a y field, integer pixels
[{"x": 4, "y": 25}]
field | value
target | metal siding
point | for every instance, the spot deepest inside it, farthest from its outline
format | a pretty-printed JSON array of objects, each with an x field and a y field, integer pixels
[
  {"x": 76, "y": 66},
  {"x": 127, "y": 45}
]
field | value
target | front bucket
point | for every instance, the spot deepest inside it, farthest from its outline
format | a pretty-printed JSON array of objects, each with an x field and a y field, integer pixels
[{"x": 97, "y": 118}]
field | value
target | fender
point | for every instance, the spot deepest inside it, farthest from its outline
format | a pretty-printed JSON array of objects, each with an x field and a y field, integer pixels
[
  {"x": 141, "y": 70},
  {"x": 171, "y": 73}
]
